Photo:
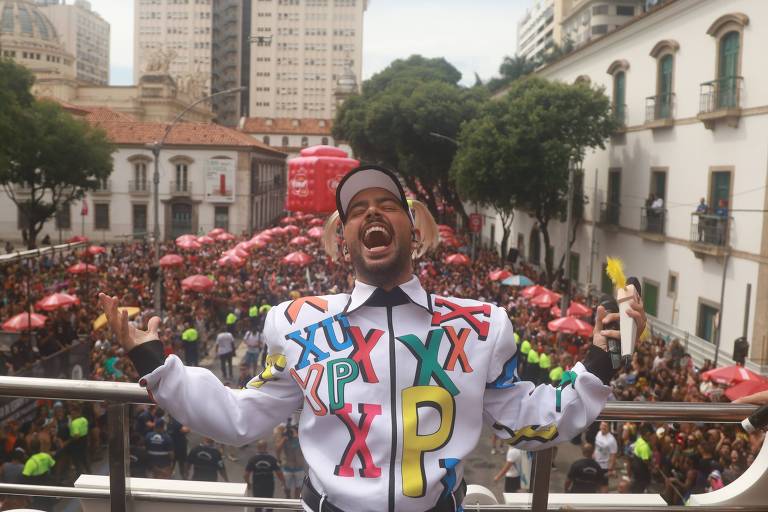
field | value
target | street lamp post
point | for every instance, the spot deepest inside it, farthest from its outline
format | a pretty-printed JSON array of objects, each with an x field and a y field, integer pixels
[{"x": 156, "y": 147}]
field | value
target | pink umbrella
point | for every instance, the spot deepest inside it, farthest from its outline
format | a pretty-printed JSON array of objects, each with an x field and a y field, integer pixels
[
  {"x": 746, "y": 388},
  {"x": 256, "y": 243},
  {"x": 55, "y": 301},
  {"x": 316, "y": 222},
  {"x": 197, "y": 283},
  {"x": 574, "y": 309},
  {"x": 82, "y": 268},
  {"x": 276, "y": 231},
  {"x": 545, "y": 300},
  {"x": 76, "y": 239},
  {"x": 291, "y": 230},
  {"x": 205, "y": 240},
  {"x": 499, "y": 275},
  {"x": 24, "y": 322},
  {"x": 288, "y": 220},
  {"x": 570, "y": 325},
  {"x": 300, "y": 240},
  {"x": 230, "y": 260},
  {"x": 188, "y": 244},
  {"x": 224, "y": 237},
  {"x": 297, "y": 258},
  {"x": 216, "y": 232},
  {"x": 315, "y": 232},
  {"x": 457, "y": 259},
  {"x": 730, "y": 375},
  {"x": 171, "y": 260},
  {"x": 237, "y": 251},
  {"x": 533, "y": 291},
  {"x": 186, "y": 237},
  {"x": 96, "y": 249}
]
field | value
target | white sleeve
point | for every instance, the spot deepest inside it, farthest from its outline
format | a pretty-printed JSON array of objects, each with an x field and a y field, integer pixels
[
  {"x": 529, "y": 417},
  {"x": 197, "y": 398}
]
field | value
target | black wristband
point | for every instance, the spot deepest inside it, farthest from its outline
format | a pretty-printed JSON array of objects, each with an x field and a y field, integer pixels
[
  {"x": 147, "y": 357},
  {"x": 598, "y": 363}
]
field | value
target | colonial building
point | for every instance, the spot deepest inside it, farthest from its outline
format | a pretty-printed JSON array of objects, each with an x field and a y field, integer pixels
[
  {"x": 689, "y": 84},
  {"x": 210, "y": 176}
]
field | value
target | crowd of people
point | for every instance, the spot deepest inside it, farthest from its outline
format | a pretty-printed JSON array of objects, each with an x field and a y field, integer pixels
[{"x": 674, "y": 459}]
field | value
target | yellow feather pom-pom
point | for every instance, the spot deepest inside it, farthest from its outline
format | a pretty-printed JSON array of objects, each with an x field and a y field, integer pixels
[{"x": 615, "y": 270}]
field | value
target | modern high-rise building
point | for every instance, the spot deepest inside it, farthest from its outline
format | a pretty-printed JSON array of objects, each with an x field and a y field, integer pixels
[
  {"x": 84, "y": 34},
  {"x": 303, "y": 48},
  {"x": 231, "y": 58},
  {"x": 175, "y": 36},
  {"x": 539, "y": 29},
  {"x": 585, "y": 20}
]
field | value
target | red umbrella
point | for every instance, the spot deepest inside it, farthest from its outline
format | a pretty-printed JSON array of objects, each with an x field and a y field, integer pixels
[
  {"x": 82, "y": 268},
  {"x": 570, "y": 325},
  {"x": 499, "y": 275},
  {"x": 545, "y": 300},
  {"x": 288, "y": 220},
  {"x": 300, "y": 240},
  {"x": 731, "y": 375},
  {"x": 291, "y": 230},
  {"x": 457, "y": 259},
  {"x": 230, "y": 260},
  {"x": 276, "y": 231},
  {"x": 297, "y": 258},
  {"x": 95, "y": 249},
  {"x": 224, "y": 237},
  {"x": 186, "y": 237},
  {"x": 315, "y": 232},
  {"x": 746, "y": 388},
  {"x": 171, "y": 260},
  {"x": 197, "y": 283},
  {"x": 316, "y": 222},
  {"x": 575, "y": 309},
  {"x": 55, "y": 301},
  {"x": 24, "y": 322},
  {"x": 237, "y": 251},
  {"x": 263, "y": 236},
  {"x": 205, "y": 240},
  {"x": 216, "y": 232},
  {"x": 533, "y": 291},
  {"x": 77, "y": 238},
  {"x": 256, "y": 243},
  {"x": 188, "y": 243}
]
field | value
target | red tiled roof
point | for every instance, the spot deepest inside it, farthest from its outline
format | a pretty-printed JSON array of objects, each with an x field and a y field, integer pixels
[
  {"x": 285, "y": 125},
  {"x": 98, "y": 114}
]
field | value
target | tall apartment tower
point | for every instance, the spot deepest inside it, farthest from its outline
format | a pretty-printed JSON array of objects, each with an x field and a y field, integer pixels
[
  {"x": 539, "y": 29},
  {"x": 84, "y": 34},
  {"x": 174, "y": 36},
  {"x": 231, "y": 58},
  {"x": 303, "y": 48}
]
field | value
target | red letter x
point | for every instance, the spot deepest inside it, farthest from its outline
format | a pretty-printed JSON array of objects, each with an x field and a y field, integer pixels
[
  {"x": 457, "y": 349},
  {"x": 358, "y": 433},
  {"x": 361, "y": 354},
  {"x": 467, "y": 313}
]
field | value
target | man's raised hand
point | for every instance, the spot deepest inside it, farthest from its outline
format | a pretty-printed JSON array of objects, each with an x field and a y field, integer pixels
[{"x": 127, "y": 334}]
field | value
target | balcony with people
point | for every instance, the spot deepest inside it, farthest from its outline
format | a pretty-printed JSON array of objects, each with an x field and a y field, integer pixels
[
  {"x": 653, "y": 218},
  {"x": 710, "y": 228}
]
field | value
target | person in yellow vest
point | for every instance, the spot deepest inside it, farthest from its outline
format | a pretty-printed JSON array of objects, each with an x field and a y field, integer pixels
[
  {"x": 531, "y": 371},
  {"x": 525, "y": 347},
  {"x": 190, "y": 338},
  {"x": 231, "y": 321},
  {"x": 253, "y": 317},
  {"x": 78, "y": 439},
  {"x": 555, "y": 375},
  {"x": 545, "y": 364},
  {"x": 37, "y": 471}
]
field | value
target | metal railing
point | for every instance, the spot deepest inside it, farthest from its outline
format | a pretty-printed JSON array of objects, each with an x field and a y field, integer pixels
[
  {"x": 119, "y": 395},
  {"x": 720, "y": 94},
  {"x": 659, "y": 107},
  {"x": 181, "y": 188},
  {"x": 609, "y": 213},
  {"x": 652, "y": 220},
  {"x": 139, "y": 187},
  {"x": 709, "y": 229},
  {"x": 103, "y": 187}
]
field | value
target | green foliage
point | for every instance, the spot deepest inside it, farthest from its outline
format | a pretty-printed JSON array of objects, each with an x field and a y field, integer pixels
[
  {"x": 392, "y": 122},
  {"x": 516, "y": 153},
  {"x": 55, "y": 156}
]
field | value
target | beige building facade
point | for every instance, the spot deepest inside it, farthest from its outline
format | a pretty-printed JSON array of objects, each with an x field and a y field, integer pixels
[
  {"x": 85, "y": 35},
  {"x": 174, "y": 36},
  {"x": 585, "y": 20},
  {"x": 311, "y": 44}
]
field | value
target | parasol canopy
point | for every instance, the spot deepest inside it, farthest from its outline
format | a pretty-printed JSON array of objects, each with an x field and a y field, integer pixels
[
  {"x": 24, "y": 322},
  {"x": 315, "y": 232},
  {"x": 574, "y": 309},
  {"x": 197, "y": 283},
  {"x": 571, "y": 325},
  {"x": 171, "y": 260},
  {"x": 188, "y": 244},
  {"x": 746, "y": 388},
  {"x": 82, "y": 268},
  {"x": 101, "y": 320},
  {"x": 55, "y": 301},
  {"x": 730, "y": 375},
  {"x": 300, "y": 240},
  {"x": 96, "y": 249},
  {"x": 298, "y": 258},
  {"x": 533, "y": 291},
  {"x": 457, "y": 259},
  {"x": 230, "y": 260},
  {"x": 499, "y": 275},
  {"x": 545, "y": 300},
  {"x": 205, "y": 240},
  {"x": 519, "y": 280}
]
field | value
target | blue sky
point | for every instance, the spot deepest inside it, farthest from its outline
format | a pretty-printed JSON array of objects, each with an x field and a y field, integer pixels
[{"x": 474, "y": 35}]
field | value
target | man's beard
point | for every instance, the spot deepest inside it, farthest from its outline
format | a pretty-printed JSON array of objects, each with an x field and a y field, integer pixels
[{"x": 381, "y": 274}]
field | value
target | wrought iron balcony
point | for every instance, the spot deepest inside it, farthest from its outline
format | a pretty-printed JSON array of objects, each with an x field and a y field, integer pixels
[
  {"x": 659, "y": 110},
  {"x": 103, "y": 188},
  {"x": 139, "y": 187},
  {"x": 609, "y": 213},
  {"x": 709, "y": 233},
  {"x": 721, "y": 99},
  {"x": 652, "y": 220},
  {"x": 181, "y": 188}
]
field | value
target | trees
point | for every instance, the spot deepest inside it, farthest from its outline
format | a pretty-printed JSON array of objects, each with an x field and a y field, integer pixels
[
  {"x": 393, "y": 120},
  {"x": 48, "y": 158},
  {"x": 516, "y": 154}
]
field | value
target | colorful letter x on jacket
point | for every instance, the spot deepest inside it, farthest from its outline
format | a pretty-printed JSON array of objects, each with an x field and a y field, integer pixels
[{"x": 396, "y": 386}]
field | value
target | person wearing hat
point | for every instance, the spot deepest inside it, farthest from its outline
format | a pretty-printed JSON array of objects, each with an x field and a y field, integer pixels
[
  {"x": 159, "y": 451},
  {"x": 372, "y": 363}
]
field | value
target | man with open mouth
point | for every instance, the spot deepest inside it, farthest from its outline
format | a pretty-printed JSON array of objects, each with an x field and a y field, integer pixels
[{"x": 397, "y": 381}]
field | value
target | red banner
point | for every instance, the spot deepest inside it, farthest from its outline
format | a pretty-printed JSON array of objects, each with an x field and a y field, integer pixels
[{"x": 475, "y": 222}]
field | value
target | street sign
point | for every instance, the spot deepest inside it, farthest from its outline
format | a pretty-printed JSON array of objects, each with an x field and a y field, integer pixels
[{"x": 475, "y": 222}]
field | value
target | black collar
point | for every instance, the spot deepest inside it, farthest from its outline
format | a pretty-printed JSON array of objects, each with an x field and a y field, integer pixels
[{"x": 382, "y": 298}]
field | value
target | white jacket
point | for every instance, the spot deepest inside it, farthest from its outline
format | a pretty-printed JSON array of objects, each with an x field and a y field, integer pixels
[{"x": 395, "y": 386}]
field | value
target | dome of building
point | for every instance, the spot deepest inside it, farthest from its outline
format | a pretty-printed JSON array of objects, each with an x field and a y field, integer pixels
[
  {"x": 347, "y": 82},
  {"x": 28, "y": 37}
]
